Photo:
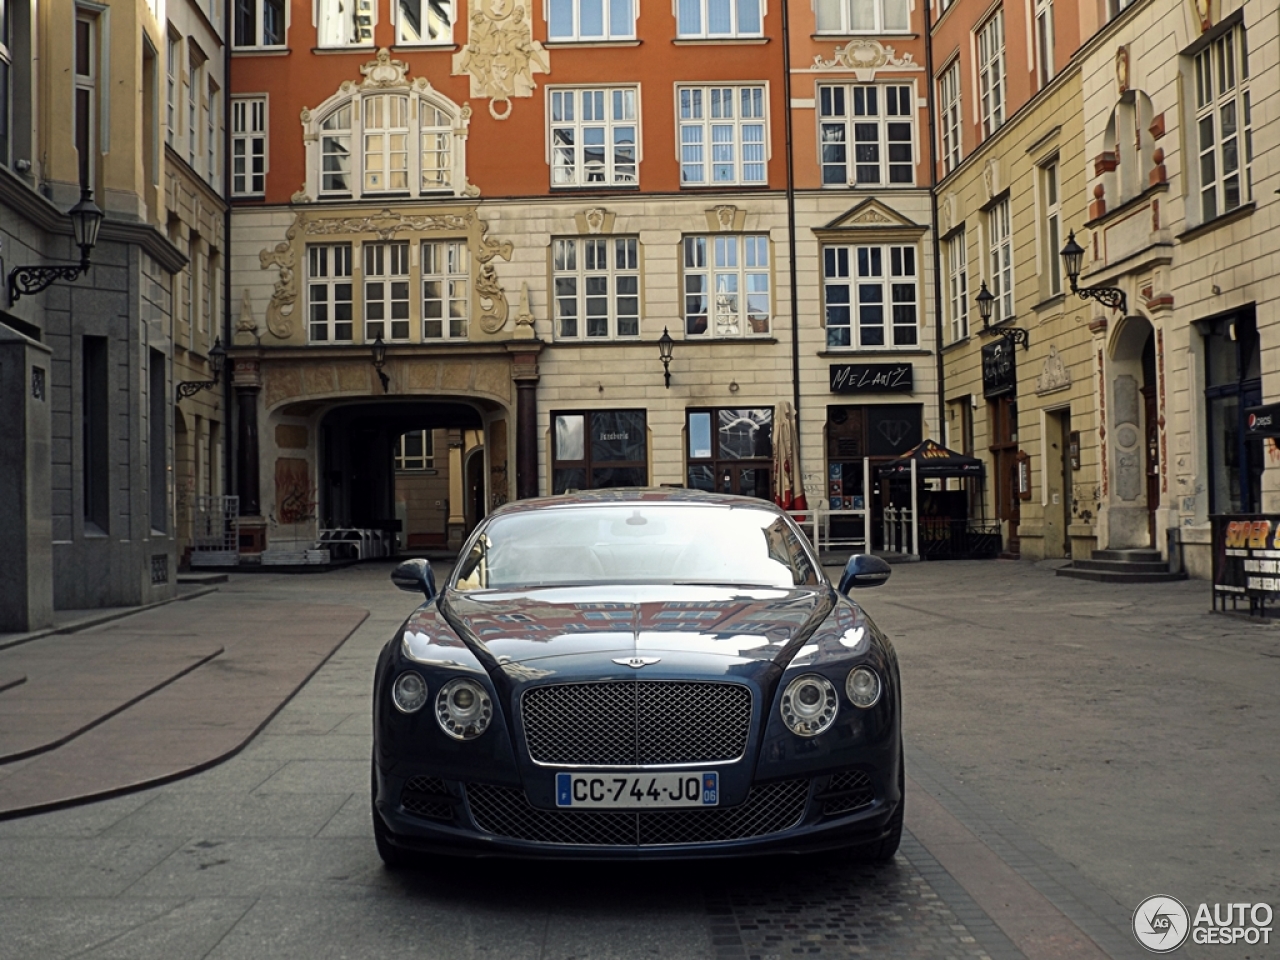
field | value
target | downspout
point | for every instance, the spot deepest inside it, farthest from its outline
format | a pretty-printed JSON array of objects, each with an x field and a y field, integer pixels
[
  {"x": 933, "y": 203},
  {"x": 791, "y": 217},
  {"x": 228, "y": 410}
]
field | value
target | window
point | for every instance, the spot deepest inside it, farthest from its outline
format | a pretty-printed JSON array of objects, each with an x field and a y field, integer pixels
[
  {"x": 863, "y": 16},
  {"x": 1233, "y": 383},
  {"x": 385, "y": 143},
  {"x": 599, "y": 448},
  {"x": 1044, "y": 41},
  {"x": 957, "y": 285},
  {"x": 1223, "y": 124},
  {"x": 718, "y": 18},
  {"x": 424, "y": 21},
  {"x": 95, "y": 412},
  {"x": 193, "y": 108},
  {"x": 597, "y": 287},
  {"x": 86, "y": 96},
  {"x": 1000, "y": 242},
  {"x": 171, "y": 95},
  {"x": 991, "y": 73},
  {"x": 445, "y": 281},
  {"x": 722, "y": 135},
  {"x": 345, "y": 23},
  {"x": 259, "y": 23},
  {"x": 877, "y": 121},
  {"x": 1052, "y": 235},
  {"x": 591, "y": 20},
  {"x": 211, "y": 113},
  {"x": 329, "y": 292},
  {"x": 415, "y": 450},
  {"x": 726, "y": 277},
  {"x": 952, "y": 117},
  {"x": 157, "y": 440},
  {"x": 594, "y": 137},
  {"x": 871, "y": 296},
  {"x": 386, "y": 291},
  {"x": 248, "y": 146},
  {"x": 6, "y": 78},
  {"x": 212, "y": 289},
  {"x": 731, "y": 450}
]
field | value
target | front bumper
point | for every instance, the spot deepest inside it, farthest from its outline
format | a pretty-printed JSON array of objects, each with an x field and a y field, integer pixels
[{"x": 439, "y": 816}]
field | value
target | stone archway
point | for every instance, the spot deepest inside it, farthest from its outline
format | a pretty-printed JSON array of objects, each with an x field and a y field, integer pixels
[{"x": 1132, "y": 435}]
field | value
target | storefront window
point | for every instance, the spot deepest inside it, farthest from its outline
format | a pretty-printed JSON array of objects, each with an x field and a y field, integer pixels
[
  {"x": 731, "y": 450},
  {"x": 1233, "y": 383},
  {"x": 597, "y": 449}
]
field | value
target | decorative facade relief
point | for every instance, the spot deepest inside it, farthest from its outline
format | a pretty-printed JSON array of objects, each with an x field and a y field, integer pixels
[
  {"x": 501, "y": 55},
  {"x": 1055, "y": 376},
  {"x": 597, "y": 220},
  {"x": 284, "y": 296},
  {"x": 726, "y": 217},
  {"x": 865, "y": 57},
  {"x": 246, "y": 334}
]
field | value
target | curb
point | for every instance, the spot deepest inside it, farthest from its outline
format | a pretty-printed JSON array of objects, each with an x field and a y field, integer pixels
[{"x": 94, "y": 620}]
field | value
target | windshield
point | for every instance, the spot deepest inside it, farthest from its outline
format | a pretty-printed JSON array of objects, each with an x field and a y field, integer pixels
[{"x": 637, "y": 543}]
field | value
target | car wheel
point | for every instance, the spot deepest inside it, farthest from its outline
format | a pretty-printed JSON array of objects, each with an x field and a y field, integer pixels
[{"x": 392, "y": 856}]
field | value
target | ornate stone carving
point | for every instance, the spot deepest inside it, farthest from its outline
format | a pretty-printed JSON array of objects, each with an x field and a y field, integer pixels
[
  {"x": 524, "y": 315},
  {"x": 382, "y": 71},
  {"x": 246, "y": 334},
  {"x": 869, "y": 217},
  {"x": 501, "y": 55},
  {"x": 387, "y": 223},
  {"x": 300, "y": 195},
  {"x": 865, "y": 56},
  {"x": 1054, "y": 376},
  {"x": 489, "y": 293},
  {"x": 284, "y": 295}
]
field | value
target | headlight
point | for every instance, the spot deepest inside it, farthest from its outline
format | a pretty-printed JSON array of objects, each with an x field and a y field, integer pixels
[
  {"x": 809, "y": 705},
  {"x": 409, "y": 692},
  {"x": 463, "y": 709},
  {"x": 863, "y": 687}
]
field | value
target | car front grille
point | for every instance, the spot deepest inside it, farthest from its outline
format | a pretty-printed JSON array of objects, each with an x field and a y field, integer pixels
[
  {"x": 847, "y": 792},
  {"x": 631, "y": 722},
  {"x": 769, "y": 808},
  {"x": 426, "y": 797}
]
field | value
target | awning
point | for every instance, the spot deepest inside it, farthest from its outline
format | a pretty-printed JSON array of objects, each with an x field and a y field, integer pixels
[{"x": 934, "y": 460}]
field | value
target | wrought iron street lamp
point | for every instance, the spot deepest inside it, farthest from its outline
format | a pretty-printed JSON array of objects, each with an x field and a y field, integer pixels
[
  {"x": 217, "y": 359},
  {"x": 1072, "y": 261},
  {"x": 379, "y": 358},
  {"x": 665, "y": 346},
  {"x": 86, "y": 219},
  {"x": 986, "y": 301}
]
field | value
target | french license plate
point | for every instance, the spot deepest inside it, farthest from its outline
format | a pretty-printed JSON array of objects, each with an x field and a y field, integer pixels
[{"x": 637, "y": 790}]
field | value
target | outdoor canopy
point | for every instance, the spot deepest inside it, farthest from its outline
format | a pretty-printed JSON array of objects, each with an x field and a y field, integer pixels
[{"x": 934, "y": 460}]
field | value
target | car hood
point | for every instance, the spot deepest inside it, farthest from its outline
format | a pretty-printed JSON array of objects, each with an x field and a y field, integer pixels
[{"x": 755, "y": 623}]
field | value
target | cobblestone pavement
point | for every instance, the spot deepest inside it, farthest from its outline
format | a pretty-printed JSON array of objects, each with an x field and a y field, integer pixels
[{"x": 1021, "y": 841}]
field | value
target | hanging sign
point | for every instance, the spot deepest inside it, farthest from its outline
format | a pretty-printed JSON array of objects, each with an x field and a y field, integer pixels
[
  {"x": 1263, "y": 421},
  {"x": 999, "y": 372}
]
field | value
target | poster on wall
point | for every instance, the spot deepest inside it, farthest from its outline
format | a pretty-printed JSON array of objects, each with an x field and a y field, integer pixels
[{"x": 1246, "y": 558}]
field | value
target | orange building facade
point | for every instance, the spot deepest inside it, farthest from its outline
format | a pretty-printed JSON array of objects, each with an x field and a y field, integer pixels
[{"x": 473, "y": 225}]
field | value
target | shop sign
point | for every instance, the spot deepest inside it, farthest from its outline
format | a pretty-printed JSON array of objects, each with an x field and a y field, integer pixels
[
  {"x": 1246, "y": 557},
  {"x": 1263, "y": 421},
  {"x": 999, "y": 373},
  {"x": 871, "y": 378}
]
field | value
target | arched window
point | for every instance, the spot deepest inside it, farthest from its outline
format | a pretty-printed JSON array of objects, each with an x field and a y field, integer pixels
[{"x": 387, "y": 136}]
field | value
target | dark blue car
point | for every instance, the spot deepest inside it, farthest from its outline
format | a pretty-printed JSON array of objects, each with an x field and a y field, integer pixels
[{"x": 637, "y": 674}]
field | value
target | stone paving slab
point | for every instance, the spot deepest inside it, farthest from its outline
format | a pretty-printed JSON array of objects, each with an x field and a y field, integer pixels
[{"x": 146, "y": 733}]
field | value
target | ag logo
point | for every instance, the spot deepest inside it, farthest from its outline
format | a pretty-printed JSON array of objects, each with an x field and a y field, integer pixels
[{"x": 1161, "y": 924}]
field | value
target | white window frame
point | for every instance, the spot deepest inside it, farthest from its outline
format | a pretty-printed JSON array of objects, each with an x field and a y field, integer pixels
[
  {"x": 386, "y": 286},
  {"x": 951, "y": 117},
  {"x": 441, "y": 37},
  {"x": 249, "y": 146},
  {"x": 332, "y": 33},
  {"x": 258, "y": 39},
  {"x": 195, "y": 83},
  {"x": 426, "y": 461},
  {"x": 884, "y": 276},
  {"x": 173, "y": 59},
  {"x": 1220, "y": 85},
  {"x": 698, "y": 126},
  {"x": 693, "y": 19},
  {"x": 957, "y": 290},
  {"x": 446, "y": 264},
  {"x": 617, "y": 20},
  {"x": 1044, "y": 40},
  {"x": 596, "y": 288},
  {"x": 389, "y": 143},
  {"x": 839, "y": 119},
  {"x": 347, "y": 147},
  {"x": 329, "y": 273},
  {"x": 991, "y": 73},
  {"x": 609, "y": 114},
  {"x": 1051, "y": 244},
  {"x": 6, "y": 83},
  {"x": 836, "y": 17},
  {"x": 727, "y": 279},
  {"x": 212, "y": 154},
  {"x": 87, "y": 83},
  {"x": 1000, "y": 260}
]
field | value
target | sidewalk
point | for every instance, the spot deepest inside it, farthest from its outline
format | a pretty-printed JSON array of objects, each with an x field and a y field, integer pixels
[{"x": 131, "y": 698}]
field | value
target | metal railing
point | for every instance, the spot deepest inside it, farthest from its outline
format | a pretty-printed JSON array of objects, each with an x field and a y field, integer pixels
[{"x": 215, "y": 532}]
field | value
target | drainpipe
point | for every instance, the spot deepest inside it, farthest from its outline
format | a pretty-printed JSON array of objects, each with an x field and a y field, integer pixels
[
  {"x": 933, "y": 205},
  {"x": 791, "y": 216},
  {"x": 228, "y": 411}
]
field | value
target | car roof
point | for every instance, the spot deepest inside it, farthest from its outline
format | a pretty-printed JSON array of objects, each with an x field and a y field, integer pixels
[{"x": 635, "y": 495}]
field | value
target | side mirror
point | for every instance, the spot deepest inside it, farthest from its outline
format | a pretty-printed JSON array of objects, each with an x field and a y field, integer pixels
[
  {"x": 863, "y": 570},
  {"x": 414, "y": 575}
]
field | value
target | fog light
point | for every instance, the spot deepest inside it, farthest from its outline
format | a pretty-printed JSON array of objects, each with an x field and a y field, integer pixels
[
  {"x": 409, "y": 692},
  {"x": 809, "y": 705},
  {"x": 863, "y": 687},
  {"x": 463, "y": 709}
]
